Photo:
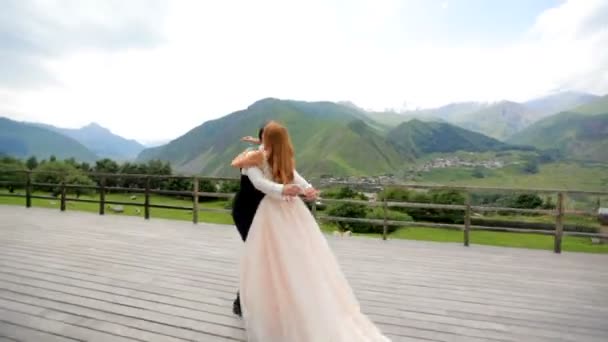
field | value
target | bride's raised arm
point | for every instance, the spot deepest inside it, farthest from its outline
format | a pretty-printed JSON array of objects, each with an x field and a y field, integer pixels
[{"x": 248, "y": 159}]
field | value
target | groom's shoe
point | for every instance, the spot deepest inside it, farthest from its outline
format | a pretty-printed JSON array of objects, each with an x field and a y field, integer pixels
[{"x": 236, "y": 306}]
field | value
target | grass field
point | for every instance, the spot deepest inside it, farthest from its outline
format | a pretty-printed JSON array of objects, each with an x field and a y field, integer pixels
[
  {"x": 535, "y": 241},
  {"x": 563, "y": 175},
  {"x": 137, "y": 209},
  {"x": 503, "y": 239}
]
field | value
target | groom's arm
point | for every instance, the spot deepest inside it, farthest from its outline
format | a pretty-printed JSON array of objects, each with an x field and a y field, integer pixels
[
  {"x": 299, "y": 180},
  {"x": 269, "y": 187},
  {"x": 309, "y": 192}
]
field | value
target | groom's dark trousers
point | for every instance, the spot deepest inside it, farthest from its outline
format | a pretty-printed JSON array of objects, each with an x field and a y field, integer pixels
[{"x": 246, "y": 202}]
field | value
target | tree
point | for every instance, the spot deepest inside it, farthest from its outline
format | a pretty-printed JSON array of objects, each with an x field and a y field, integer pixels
[
  {"x": 550, "y": 155},
  {"x": 57, "y": 172},
  {"x": 85, "y": 167},
  {"x": 179, "y": 184},
  {"x": 527, "y": 201},
  {"x": 72, "y": 161},
  {"x": 107, "y": 165},
  {"x": 437, "y": 197},
  {"x": 531, "y": 166},
  {"x": 8, "y": 166},
  {"x": 478, "y": 172},
  {"x": 344, "y": 193},
  {"x": 157, "y": 167},
  {"x": 395, "y": 194},
  {"x": 230, "y": 187},
  {"x": 130, "y": 182},
  {"x": 32, "y": 163},
  {"x": 205, "y": 185},
  {"x": 78, "y": 177}
]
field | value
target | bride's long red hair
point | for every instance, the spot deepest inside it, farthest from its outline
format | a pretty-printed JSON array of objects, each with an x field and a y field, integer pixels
[{"x": 280, "y": 152}]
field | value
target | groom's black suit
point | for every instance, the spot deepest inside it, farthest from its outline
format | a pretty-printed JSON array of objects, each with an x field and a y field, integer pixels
[{"x": 246, "y": 202}]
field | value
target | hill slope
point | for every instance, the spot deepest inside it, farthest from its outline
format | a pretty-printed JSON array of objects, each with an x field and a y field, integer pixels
[
  {"x": 556, "y": 103},
  {"x": 581, "y": 134},
  {"x": 419, "y": 138},
  {"x": 23, "y": 140},
  {"x": 599, "y": 106},
  {"x": 500, "y": 120},
  {"x": 329, "y": 139}
]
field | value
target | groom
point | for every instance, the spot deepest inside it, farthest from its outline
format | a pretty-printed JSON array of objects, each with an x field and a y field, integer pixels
[{"x": 246, "y": 202}]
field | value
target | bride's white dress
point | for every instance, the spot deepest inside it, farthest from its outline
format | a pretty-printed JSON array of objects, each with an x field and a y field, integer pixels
[{"x": 292, "y": 288}]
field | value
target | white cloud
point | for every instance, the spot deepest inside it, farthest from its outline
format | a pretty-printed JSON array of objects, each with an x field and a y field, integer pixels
[{"x": 210, "y": 58}]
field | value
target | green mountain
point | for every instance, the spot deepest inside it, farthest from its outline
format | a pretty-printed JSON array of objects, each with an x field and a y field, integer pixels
[
  {"x": 418, "y": 138},
  {"x": 102, "y": 141},
  {"x": 329, "y": 139},
  {"x": 22, "y": 140},
  {"x": 552, "y": 104},
  {"x": 392, "y": 119},
  {"x": 599, "y": 106},
  {"x": 580, "y": 134},
  {"x": 453, "y": 112},
  {"x": 500, "y": 120}
]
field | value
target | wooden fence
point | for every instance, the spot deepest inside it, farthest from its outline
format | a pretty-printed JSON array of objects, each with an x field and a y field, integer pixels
[{"x": 468, "y": 209}]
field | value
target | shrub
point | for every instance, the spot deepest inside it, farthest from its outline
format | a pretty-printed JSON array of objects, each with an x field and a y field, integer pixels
[
  {"x": 438, "y": 215},
  {"x": 230, "y": 187},
  {"x": 54, "y": 172},
  {"x": 12, "y": 164},
  {"x": 531, "y": 166},
  {"x": 478, "y": 172},
  {"x": 378, "y": 214},
  {"x": 527, "y": 201},
  {"x": 205, "y": 185},
  {"x": 349, "y": 210},
  {"x": 344, "y": 193},
  {"x": 433, "y": 196}
]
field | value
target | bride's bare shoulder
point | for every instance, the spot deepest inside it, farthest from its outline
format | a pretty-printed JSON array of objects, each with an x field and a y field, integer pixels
[{"x": 249, "y": 159}]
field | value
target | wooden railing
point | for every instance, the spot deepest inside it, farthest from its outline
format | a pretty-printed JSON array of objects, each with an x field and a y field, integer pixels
[{"x": 467, "y": 208}]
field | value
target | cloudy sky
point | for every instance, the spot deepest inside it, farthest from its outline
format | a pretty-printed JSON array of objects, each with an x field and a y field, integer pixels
[{"x": 153, "y": 69}]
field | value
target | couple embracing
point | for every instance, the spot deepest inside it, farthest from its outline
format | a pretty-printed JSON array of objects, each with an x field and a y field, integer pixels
[{"x": 291, "y": 286}]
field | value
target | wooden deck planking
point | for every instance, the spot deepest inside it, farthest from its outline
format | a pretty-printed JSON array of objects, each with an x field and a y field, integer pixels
[{"x": 78, "y": 276}]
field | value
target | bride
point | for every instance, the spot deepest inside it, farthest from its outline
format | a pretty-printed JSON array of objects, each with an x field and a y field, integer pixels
[{"x": 292, "y": 288}]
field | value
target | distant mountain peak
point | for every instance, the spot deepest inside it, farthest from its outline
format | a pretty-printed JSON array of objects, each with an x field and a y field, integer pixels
[
  {"x": 264, "y": 101},
  {"x": 94, "y": 126}
]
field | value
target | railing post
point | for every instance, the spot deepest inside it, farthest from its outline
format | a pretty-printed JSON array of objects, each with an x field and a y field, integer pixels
[
  {"x": 62, "y": 189},
  {"x": 147, "y": 199},
  {"x": 102, "y": 195},
  {"x": 559, "y": 223},
  {"x": 195, "y": 200},
  {"x": 28, "y": 189},
  {"x": 385, "y": 226},
  {"x": 467, "y": 219}
]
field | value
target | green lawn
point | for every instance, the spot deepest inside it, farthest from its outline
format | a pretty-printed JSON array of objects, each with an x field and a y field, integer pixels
[
  {"x": 575, "y": 220},
  {"x": 137, "y": 209},
  {"x": 561, "y": 175},
  {"x": 504, "y": 239},
  {"x": 535, "y": 241}
]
